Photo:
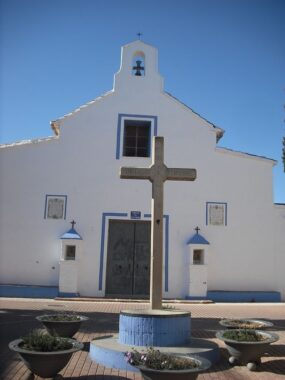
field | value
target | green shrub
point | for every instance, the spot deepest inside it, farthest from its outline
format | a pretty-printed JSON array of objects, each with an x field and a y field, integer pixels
[
  {"x": 243, "y": 324},
  {"x": 61, "y": 318},
  {"x": 244, "y": 335},
  {"x": 39, "y": 341}
]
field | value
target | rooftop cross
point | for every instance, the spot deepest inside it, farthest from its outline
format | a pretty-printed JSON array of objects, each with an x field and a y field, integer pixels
[
  {"x": 139, "y": 34},
  {"x": 157, "y": 174},
  {"x": 197, "y": 229},
  {"x": 72, "y": 223}
]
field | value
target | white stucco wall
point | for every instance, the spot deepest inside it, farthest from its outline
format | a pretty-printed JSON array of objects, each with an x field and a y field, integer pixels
[{"x": 247, "y": 254}]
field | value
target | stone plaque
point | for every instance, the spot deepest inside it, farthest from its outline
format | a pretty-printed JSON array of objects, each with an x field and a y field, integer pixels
[
  {"x": 55, "y": 207},
  {"x": 216, "y": 214}
]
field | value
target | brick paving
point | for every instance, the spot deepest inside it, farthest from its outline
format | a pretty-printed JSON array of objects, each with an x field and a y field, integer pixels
[{"x": 17, "y": 317}]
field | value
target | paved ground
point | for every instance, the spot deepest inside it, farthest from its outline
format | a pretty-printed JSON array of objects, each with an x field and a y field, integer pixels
[{"x": 17, "y": 317}]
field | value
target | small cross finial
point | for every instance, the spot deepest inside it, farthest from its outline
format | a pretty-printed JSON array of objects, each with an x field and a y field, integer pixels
[
  {"x": 72, "y": 223},
  {"x": 197, "y": 229},
  {"x": 139, "y": 34}
]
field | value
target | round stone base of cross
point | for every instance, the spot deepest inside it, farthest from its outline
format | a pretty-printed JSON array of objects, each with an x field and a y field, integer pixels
[
  {"x": 148, "y": 327},
  {"x": 109, "y": 352}
]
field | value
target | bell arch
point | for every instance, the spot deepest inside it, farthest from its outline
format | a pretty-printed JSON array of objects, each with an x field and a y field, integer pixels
[{"x": 138, "y": 64}]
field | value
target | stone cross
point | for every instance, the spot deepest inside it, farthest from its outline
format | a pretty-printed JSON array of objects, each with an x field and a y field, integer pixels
[{"x": 157, "y": 174}]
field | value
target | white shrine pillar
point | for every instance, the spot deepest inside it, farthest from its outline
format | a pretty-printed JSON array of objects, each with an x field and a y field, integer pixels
[
  {"x": 71, "y": 248},
  {"x": 198, "y": 267}
]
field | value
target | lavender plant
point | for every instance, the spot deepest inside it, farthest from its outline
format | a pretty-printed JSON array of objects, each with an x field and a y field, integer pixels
[{"x": 157, "y": 360}]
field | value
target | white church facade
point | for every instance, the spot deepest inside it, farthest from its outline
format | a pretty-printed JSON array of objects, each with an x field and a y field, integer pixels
[{"x": 223, "y": 235}]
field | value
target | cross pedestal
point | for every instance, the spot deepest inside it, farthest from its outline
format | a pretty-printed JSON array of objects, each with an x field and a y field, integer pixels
[{"x": 157, "y": 174}]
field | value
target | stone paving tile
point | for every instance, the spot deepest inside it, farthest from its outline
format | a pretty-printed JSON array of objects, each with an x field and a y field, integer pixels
[{"x": 17, "y": 317}]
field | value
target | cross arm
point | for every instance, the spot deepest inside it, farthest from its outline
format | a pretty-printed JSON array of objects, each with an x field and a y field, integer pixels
[
  {"x": 134, "y": 173},
  {"x": 176, "y": 174}
]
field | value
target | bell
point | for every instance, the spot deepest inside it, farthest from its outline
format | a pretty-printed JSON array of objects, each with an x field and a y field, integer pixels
[{"x": 138, "y": 68}]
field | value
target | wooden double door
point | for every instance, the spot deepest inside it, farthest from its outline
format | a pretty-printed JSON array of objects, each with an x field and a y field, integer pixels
[{"x": 128, "y": 258}]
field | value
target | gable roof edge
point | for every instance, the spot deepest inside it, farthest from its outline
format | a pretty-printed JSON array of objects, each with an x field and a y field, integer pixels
[
  {"x": 219, "y": 131},
  {"x": 244, "y": 154},
  {"x": 55, "y": 124},
  {"x": 28, "y": 142}
]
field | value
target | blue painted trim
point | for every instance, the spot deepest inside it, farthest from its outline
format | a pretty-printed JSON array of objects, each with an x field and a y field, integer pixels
[
  {"x": 166, "y": 258},
  {"x": 28, "y": 291},
  {"x": 64, "y": 294},
  {"x": 109, "y": 353},
  {"x": 196, "y": 298},
  {"x": 149, "y": 142},
  {"x": 243, "y": 296},
  {"x": 109, "y": 357},
  {"x": 218, "y": 203},
  {"x": 59, "y": 196},
  {"x": 118, "y": 137},
  {"x": 166, "y": 249},
  {"x": 119, "y": 128},
  {"x": 65, "y": 208},
  {"x": 101, "y": 265}
]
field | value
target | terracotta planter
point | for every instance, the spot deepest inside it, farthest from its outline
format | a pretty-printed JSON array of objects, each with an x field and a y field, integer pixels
[
  {"x": 248, "y": 353},
  {"x": 45, "y": 364},
  {"x": 230, "y": 324},
  {"x": 61, "y": 328},
  {"x": 187, "y": 374}
]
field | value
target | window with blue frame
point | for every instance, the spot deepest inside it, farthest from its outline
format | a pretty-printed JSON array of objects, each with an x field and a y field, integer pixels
[{"x": 136, "y": 138}]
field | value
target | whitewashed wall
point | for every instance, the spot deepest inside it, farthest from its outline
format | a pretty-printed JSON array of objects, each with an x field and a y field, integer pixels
[{"x": 247, "y": 254}]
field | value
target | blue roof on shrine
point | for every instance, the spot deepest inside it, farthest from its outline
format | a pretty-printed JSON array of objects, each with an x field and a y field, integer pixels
[
  {"x": 71, "y": 234},
  {"x": 197, "y": 239}
]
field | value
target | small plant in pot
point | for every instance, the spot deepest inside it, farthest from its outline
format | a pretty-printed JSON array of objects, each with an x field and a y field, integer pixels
[
  {"x": 62, "y": 324},
  {"x": 43, "y": 354},
  {"x": 156, "y": 365},
  {"x": 255, "y": 324},
  {"x": 246, "y": 346}
]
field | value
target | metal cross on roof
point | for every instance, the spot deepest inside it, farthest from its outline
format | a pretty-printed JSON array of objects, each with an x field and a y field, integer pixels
[
  {"x": 139, "y": 34},
  {"x": 72, "y": 223},
  {"x": 197, "y": 229},
  {"x": 157, "y": 174},
  {"x": 138, "y": 68}
]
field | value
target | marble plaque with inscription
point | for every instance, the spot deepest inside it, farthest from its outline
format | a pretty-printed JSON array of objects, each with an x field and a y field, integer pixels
[
  {"x": 216, "y": 214},
  {"x": 55, "y": 208}
]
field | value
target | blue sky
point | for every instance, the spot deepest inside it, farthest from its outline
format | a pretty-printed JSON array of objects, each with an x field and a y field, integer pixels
[{"x": 223, "y": 58}]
